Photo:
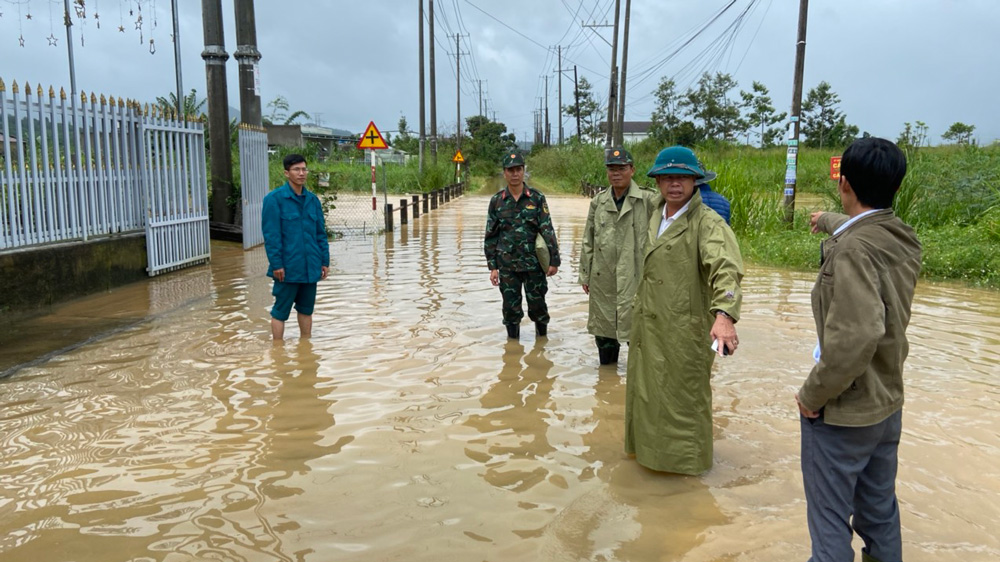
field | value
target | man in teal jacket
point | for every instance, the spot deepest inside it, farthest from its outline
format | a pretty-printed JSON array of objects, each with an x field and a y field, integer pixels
[
  {"x": 298, "y": 253},
  {"x": 851, "y": 402}
]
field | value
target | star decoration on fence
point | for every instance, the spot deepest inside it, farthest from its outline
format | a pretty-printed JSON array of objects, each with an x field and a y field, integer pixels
[
  {"x": 121, "y": 29},
  {"x": 53, "y": 40},
  {"x": 28, "y": 16},
  {"x": 21, "y": 40}
]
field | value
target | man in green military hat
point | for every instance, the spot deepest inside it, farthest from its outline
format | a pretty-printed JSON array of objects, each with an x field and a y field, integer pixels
[
  {"x": 613, "y": 243},
  {"x": 686, "y": 308},
  {"x": 517, "y": 215}
]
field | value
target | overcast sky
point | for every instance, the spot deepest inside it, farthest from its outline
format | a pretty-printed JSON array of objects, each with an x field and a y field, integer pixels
[{"x": 348, "y": 62}]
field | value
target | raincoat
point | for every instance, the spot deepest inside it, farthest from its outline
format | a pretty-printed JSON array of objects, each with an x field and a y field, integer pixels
[
  {"x": 613, "y": 243},
  {"x": 690, "y": 272}
]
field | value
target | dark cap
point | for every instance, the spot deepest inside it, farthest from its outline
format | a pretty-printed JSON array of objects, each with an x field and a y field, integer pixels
[
  {"x": 512, "y": 159},
  {"x": 617, "y": 155}
]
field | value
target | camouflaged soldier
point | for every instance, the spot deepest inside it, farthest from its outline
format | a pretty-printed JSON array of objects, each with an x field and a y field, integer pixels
[{"x": 517, "y": 215}]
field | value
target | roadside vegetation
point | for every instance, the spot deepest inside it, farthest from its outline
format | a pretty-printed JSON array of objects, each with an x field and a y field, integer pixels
[{"x": 951, "y": 196}]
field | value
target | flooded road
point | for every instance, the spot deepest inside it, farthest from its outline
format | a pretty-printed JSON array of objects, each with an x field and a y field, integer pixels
[{"x": 410, "y": 428}]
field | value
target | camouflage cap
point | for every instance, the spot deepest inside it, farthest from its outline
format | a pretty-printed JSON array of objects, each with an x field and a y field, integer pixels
[
  {"x": 512, "y": 159},
  {"x": 617, "y": 155}
]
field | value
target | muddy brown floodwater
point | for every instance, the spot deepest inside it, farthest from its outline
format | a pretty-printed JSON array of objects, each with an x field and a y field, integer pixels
[{"x": 409, "y": 428}]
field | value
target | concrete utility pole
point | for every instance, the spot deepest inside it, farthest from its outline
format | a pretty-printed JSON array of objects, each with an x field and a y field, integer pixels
[
  {"x": 548, "y": 127},
  {"x": 420, "y": 35},
  {"x": 458, "y": 93},
  {"x": 221, "y": 165},
  {"x": 792, "y": 157},
  {"x": 612, "y": 94},
  {"x": 177, "y": 61},
  {"x": 480, "y": 97},
  {"x": 560, "y": 97},
  {"x": 620, "y": 122},
  {"x": 434, "y": 120},
  {"x": 576, "y": 96},
  {"x": 247, "y": 56}
]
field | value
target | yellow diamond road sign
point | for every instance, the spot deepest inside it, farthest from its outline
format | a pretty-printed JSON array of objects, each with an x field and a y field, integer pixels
[
  {"x": 372, "y": 138},
  {"x": 458, "y": 157}
]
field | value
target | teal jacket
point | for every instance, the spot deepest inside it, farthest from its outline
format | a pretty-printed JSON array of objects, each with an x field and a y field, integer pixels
[{"x": 295, "y": 235}]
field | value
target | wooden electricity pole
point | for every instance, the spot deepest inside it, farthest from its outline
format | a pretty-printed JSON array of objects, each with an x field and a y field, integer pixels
[
  {"x": 620, "y": 122},
  {"x": 792, "y": 156}
]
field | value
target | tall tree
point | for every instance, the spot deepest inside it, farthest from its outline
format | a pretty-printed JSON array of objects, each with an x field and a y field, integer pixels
[
  {"x": 589, "y": 111},
  {"x": 489, "y": 140},
  {"x": 761, "y": 116},
  {"x": 709, "y": 103},
  {"x": 666, "y": 116},
  {"x": 405, "y": 140},
  {"x": 823, "y": 123},
  {"x": 959, "y": 132}
]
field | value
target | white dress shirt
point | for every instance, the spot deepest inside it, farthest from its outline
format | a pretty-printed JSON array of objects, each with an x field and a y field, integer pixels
[{"x": 666, "y": 222}]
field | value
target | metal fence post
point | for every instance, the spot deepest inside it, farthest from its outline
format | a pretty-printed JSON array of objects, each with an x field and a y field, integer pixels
[
  {"x": 426, "y": 197},
  {"x": 434, "y": 199},
  {"x": 402, "y": 212},
  {"x": 388, "y": 217},
  {"x": 416, "y": 206}
]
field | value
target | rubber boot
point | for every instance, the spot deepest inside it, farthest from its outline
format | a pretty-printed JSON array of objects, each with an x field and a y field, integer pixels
[
  {"x": 513, "y": 331},
  {"x": 605, "y": 355},
  {"x": 865, "y": 557},
  {"x": 541, "y": 329},
  {"x": 614, "y": 354}
]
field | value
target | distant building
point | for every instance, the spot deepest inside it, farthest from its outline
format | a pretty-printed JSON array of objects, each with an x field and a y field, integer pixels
[
  {"x": 328, "y": 139},
  {"x": 632, "y": 131},
  {"x": 10, "y": 142}
]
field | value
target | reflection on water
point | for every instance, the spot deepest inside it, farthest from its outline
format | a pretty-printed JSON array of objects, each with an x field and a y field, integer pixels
[{"x": 410, "y": 428}]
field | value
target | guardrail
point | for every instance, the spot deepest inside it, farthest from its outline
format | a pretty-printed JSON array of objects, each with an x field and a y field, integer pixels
[{"x": 429, "y": 202}]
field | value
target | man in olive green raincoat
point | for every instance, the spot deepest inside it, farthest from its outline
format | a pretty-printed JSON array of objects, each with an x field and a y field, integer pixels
[
  {"x": 688, "y": 296},
  {"x": 613, "y": 243}
]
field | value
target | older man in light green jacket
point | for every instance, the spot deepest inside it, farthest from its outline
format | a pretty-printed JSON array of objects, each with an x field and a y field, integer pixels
[
  {"x": 613, "y": 243},
  {"x": 689, "y": 295}
]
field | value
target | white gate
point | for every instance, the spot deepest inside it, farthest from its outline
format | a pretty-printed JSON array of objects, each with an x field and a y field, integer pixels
[
  {"x": 253, "y": 182},
  {"x": 175, "y": 186}
]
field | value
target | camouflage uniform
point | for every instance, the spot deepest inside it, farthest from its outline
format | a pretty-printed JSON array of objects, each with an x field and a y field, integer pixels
[{"x": 511, "y": 228}]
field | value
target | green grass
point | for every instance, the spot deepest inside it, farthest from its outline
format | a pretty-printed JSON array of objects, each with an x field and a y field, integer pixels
[{"x": 951, "y": 196}]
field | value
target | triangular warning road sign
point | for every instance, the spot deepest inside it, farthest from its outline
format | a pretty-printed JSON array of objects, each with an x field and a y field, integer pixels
[
  {"x": 458, "y": 157},
  {"x": 372, "y": 138}
]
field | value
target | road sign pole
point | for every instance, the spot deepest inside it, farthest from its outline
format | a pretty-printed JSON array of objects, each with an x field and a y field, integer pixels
[{"x": 374, "y": 206}]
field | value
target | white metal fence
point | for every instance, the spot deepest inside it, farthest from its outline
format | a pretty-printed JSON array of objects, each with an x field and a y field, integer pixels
[
  {"x": 175, "y": 186},
  {"x": 76, "y": 169},
  {"x": 253, "y": 182}
]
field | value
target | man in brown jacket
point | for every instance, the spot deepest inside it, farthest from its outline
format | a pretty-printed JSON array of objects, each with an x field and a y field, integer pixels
[{"x": 851, "y": 403}]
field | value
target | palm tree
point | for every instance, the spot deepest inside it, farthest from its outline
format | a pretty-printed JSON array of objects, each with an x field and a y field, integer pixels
[{"x": 191, "y": 106}]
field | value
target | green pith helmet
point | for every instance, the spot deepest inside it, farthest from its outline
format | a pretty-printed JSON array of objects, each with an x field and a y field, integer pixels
[
  {"x": 676, "y": 160},
  {"x": 542, "y": 251},
  {"x": 512, "y": 159}
]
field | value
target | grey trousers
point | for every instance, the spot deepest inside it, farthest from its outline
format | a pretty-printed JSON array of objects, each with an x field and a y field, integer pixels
[{"x": 849, "y": 474}]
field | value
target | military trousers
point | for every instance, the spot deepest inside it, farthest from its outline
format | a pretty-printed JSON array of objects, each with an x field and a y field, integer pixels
[{"x": 535, "y": 286}]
